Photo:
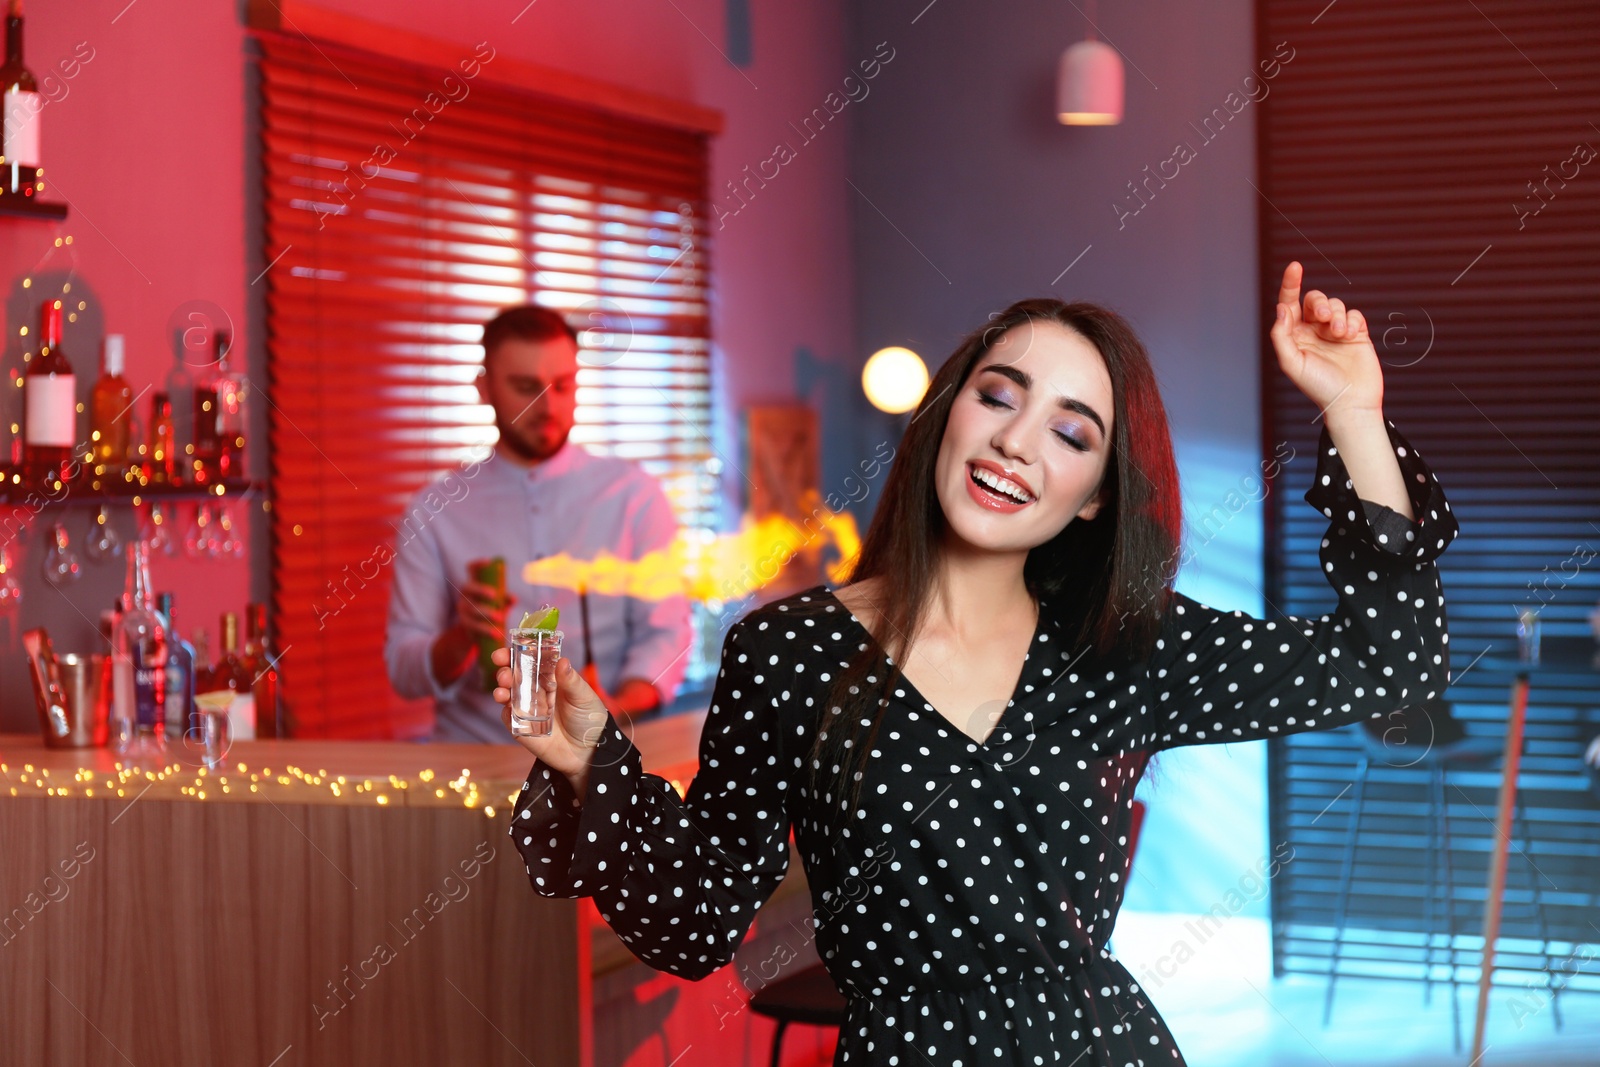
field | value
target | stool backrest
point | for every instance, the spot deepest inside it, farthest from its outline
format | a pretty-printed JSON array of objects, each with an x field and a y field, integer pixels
[{"x": 1420, "y": 726}]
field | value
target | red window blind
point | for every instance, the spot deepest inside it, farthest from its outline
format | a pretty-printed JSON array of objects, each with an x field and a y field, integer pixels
[{"x": 403, "y": 205}]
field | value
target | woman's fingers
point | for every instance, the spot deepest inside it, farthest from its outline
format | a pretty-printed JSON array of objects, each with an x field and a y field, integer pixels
[
  {"x": 1331, "y": 318},
  {"x": 1316, "y": 307},
  {"x": 1289, "y": 289},
  {"x": 572, "y": 684}
]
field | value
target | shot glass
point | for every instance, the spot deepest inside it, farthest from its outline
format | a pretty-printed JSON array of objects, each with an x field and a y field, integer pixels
[
  {"x": 211, "y": 709},
  {"x": 533, "y": 680},
  {"x": 1528, "y": 635}
]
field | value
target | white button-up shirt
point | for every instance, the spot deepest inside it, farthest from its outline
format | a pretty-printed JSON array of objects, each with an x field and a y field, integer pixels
[{"x": 576, "y": 503}]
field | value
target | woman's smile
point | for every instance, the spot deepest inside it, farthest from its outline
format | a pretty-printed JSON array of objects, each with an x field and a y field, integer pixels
[{"x": 996, "y": 491}]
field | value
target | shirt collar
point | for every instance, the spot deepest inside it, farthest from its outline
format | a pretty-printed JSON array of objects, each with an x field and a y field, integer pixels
[{"x": 567, "y": 458}]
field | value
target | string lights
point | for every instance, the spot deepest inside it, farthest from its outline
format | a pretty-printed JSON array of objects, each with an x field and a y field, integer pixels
[{"x": 292, "y": 785}]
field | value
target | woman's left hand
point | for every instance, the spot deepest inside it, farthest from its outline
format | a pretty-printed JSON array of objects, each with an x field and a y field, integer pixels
[{"x": 1325, "y": 350}]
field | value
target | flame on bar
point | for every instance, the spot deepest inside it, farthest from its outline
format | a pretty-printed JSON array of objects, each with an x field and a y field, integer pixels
[{"x": 712, "y": 567}]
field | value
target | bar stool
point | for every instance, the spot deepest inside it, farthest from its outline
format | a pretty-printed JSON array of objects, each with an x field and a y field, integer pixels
[
  {"x": 809, "y": 996},
  {"x": 1430, "y": 739}
]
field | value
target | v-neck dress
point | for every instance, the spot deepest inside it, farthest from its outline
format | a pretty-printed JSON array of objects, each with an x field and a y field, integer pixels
[{"x": 964, "y": 910}]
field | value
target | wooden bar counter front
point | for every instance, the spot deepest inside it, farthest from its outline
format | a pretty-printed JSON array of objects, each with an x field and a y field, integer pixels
[{"x": 322, "y": 902}]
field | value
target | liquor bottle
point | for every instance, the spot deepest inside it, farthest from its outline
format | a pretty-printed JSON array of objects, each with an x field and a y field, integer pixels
[
  {"x": 139, "y": 669},
  {"x": 202, "y": 660},
  {"x": 230, "y": 673},
  {"x": 261, "y": 662},
  {"x": 20, "y": 120},
  {"x": 231, "y": 389},
  {"x": 109, "y": 619},
  {"x": 50, "y": 404},
  {"x": 109, "y": 408},
  {"x": 161, "y": 463},
  {"x": 179, "y": 387},
  {"x": 207, "y": 445},
  {"x": 180, "y": 707}
]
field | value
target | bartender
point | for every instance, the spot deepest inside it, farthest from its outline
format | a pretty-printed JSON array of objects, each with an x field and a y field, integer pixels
[{"x": 537, "y": 495}]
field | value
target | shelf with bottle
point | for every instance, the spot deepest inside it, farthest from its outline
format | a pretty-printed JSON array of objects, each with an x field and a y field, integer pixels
[
  {"x": 21, "y": 172},
  {"x": 52, "y": 463}
]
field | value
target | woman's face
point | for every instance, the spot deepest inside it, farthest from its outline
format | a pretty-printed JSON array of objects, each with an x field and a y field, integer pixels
[{"x": 1036, "y": 411}]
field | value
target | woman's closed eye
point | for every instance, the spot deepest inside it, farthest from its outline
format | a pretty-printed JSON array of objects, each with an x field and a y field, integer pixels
[{"x": 995, "y": 402}]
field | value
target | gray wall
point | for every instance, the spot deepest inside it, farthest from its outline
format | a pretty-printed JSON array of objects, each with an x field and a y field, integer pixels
[{"x": 970, "y": 195}]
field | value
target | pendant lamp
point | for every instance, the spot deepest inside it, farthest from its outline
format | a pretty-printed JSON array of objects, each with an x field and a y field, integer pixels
[{"x": 1089, "y": 83}]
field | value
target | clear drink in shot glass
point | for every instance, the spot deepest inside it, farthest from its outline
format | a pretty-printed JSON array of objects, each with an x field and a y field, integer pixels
[
  {"x": 212, "y": 711},
  {"x": 533, "y": 680}
]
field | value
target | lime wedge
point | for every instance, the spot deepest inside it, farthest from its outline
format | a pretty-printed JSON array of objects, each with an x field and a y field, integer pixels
[
  {"x": 217, "y": 700},
  {"x": 543, "y": 619}
]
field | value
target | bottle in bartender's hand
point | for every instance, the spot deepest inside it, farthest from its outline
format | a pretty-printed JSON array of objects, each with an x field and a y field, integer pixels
[
  {"x": 19, "y": 117},
  {"x": 50, "y": 406}
]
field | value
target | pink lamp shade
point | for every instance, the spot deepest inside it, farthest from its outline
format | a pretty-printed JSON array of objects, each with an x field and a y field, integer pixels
[{"x": 1089, "y": 85}]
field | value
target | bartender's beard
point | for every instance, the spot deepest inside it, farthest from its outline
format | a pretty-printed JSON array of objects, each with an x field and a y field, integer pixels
[{"x": 528, "y": 449}]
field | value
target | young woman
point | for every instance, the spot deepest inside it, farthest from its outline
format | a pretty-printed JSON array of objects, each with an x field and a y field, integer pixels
[{"x": 955, "y": 736}]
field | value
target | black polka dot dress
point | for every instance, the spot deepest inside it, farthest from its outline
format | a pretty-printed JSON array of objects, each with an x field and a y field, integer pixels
[{"x": 965, "y": 909}]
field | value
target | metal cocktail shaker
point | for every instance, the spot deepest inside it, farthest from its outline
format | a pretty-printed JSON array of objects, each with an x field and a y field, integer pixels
[{"x": 72, "y": 693}]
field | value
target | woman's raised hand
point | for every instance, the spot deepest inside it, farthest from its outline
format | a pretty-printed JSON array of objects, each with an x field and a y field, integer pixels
[
  {"x": 580, "y": 716},
  {"x": 1325, "y": 350}
]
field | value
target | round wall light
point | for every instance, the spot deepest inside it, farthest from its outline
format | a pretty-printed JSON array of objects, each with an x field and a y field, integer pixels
[{"x": 894, "y": 379}]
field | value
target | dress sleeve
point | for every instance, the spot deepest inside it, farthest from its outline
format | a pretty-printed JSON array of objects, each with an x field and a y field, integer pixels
[
  {"x": 679, "y": 881},
  {"x": 1220, "y": 676}
]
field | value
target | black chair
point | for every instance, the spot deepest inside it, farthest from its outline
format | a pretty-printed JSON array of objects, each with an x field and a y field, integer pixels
[
  {"x": 1428, "y": 738},
  {"x": 807, "y": 996}
]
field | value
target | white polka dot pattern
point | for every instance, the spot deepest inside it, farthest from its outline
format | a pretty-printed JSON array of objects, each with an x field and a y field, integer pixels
[{"x": 964, "y": 907}]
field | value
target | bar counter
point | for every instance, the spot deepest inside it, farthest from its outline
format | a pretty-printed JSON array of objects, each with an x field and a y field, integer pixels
[{"x": 329, "y": 902}]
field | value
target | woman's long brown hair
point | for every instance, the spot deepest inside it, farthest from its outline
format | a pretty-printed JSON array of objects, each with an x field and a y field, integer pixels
[{"x": 1107, "y": 579}]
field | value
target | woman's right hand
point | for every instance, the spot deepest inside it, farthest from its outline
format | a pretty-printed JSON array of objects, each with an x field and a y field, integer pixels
[{"x": 580, "y": 716}]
